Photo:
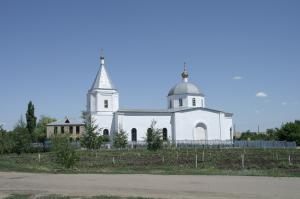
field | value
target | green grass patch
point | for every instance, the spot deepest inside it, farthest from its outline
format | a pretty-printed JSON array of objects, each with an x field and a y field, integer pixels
[
  {"x": 257, "y": 162},
  {"x": 27, "y": 196}
]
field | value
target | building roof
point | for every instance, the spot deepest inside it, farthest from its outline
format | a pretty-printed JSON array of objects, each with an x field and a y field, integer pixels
[
  {"x": 102, "y": 80},
  {"x": 185, "y": 87},
  {"x": 66, "y": 122},
  {"x": 174, "y": 110}
]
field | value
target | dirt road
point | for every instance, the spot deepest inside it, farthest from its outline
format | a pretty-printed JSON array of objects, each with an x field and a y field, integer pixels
[{"x": 156, "y": 186}]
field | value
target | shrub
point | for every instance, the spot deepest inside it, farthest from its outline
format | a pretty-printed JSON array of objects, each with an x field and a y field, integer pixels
[
  {"x": 90, "y": 139},
  {"x": 65, "y": 153},
  {"x": 154, "y": 138},
  {"x": 120, "y": 139}
]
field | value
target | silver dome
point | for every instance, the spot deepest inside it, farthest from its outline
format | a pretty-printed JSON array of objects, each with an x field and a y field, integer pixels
[{"x": 185, "y": 88}]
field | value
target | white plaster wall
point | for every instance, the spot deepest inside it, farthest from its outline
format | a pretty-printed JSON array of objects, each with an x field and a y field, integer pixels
[
  {"x": 142, "y": 123},
  {"x": 228, "y": 123},
  {"x": 186, "y": 122},
  {"x": 187, "y": 101},
  {"x": 198, "y": 99},
  {"x": 112, "y": 101},
  {"x": 175, "y": 100},
  {"x": 103, "y": 121},
  {"x": 96, "y": 100}
]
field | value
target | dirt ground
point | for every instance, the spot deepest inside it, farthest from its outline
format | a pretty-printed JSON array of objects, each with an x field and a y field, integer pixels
[{"x": 156, "y": 186}]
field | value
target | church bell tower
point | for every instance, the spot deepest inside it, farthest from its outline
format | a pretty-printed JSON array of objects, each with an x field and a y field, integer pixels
[{"x": 103, "y": 100}]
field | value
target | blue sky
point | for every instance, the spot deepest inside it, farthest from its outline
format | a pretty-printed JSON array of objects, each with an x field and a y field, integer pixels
[{"x": 49, "y": 53}]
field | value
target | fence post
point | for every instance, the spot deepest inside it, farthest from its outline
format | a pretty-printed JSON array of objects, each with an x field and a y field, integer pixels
[
  {"x": 163, "y": 159},
  {"x": 177, "y": 155},
  {"x": 196, "y": 161},
  {"x": 243, "y": 160},
  {"x": 290, "y": 163},
  {"x": 39, "y": 156},
  {"x": 203, "y": 155},
  {"x": 113, "y": 160}
]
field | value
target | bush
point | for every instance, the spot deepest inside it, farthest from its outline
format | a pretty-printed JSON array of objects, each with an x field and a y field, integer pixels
[
  {"x": 6, "y": 142},
  {"x": 21, "y": 138},
  {"x": 91, "y": 138},
  {"x": 154, "y": 138},
  {"x": 64, "y": 151},
  {"x": 120, "y": 139}
]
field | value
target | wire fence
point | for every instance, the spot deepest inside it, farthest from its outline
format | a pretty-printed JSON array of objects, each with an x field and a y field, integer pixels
[{"x": 220, "y": 144}]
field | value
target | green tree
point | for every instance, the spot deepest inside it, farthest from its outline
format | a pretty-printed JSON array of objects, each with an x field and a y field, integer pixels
[
  {"x": 120, "y": 139},
  {"x": 40, "y": 134},
  {"x": 6, "y": 142},
  {"x": 64, "y": 152},
  {"x": 290, "y": 132},
  {"x": 21, "y": 137},
  {"x": 90, "y": 139},
  {"x": 154, "y": 137},
  {"x": 31, "y": 119}
]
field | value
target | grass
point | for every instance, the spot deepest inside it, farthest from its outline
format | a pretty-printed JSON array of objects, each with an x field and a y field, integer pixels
[
  {"x": 258, "y": 162},
  {"x": 28, "y": 196}
]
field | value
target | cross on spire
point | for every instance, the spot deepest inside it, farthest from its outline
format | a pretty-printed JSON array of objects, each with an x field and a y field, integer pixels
[{"x": 101, "y": 54}]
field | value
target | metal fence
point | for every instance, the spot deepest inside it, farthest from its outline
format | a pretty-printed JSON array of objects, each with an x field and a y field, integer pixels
[
  {"x": 195, "y": 144},
  {"x": 220, "y": 144}
]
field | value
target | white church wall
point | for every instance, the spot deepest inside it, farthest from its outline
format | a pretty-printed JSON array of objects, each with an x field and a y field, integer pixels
[
  {"x": 228, "y": 124},
  {"x": 103, "y": 121},
  {"x": 142, "y": 122},
  {"x": 187, "y": 121},
  {"x": 112, "y": 99},
  {"x": 199, "y": 101}
]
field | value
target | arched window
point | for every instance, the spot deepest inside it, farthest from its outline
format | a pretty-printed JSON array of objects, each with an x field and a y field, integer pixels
[
  {"x": 133, "y": 135},
  {"x": 105, "y": 132},
  {"x": 165, "y": 134},
  {"x": 194, "y": 101},
  {"x": 170, "y": 104},
  {"x": 180, "y": 102}
]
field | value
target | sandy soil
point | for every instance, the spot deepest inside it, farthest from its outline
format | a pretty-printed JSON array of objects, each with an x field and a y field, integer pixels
[{"x": 156, "y": 186}]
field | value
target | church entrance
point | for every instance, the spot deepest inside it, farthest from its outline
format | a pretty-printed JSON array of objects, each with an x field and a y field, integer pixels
[{"x": 200, "y": 132}]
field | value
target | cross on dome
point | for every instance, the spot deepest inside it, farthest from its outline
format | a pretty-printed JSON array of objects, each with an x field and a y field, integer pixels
[{"x": 184, "y": 74}]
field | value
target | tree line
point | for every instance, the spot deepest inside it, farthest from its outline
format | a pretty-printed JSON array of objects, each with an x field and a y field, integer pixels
[
  {"x": 24, "y": 133},
  {"x": 289, "y": 131}
]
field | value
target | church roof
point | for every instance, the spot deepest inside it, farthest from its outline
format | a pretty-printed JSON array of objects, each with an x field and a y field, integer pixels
[
  {"x": 102, "y": 80},
  {"x": 185, "y": 87},
  {"x": 174, "y": 110}
]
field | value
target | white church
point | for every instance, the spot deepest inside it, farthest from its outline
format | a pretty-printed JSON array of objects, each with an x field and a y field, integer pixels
[{"x": 185, "y": 119}]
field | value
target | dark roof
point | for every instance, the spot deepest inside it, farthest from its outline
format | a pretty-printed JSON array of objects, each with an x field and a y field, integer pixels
[{"x": 66, "y": 122}]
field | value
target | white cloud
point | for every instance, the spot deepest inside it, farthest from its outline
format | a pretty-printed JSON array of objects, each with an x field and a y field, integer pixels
[
  {"x": 261, "y": 94},
  {"x": 257, "y": 111},
  {"x": 237, "y": 78},
  {"x": 283, "y": 103}
]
